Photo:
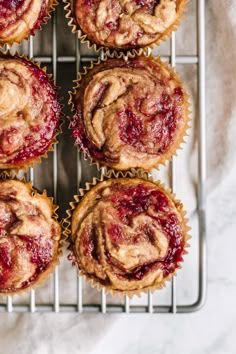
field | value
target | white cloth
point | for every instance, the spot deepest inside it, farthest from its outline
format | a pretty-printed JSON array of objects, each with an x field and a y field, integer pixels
[{"x": 211, "y": 330}]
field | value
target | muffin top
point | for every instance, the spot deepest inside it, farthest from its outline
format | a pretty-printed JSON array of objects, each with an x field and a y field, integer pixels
[
  {"x": 20, "y": 18},
  {"x": 128, "y": 234},
  {"x": 130, "y": 113},
  {"x": 126, "y": 24},
  {"x": 29, "y": 112},
  {"x": 29, "y": 236}
]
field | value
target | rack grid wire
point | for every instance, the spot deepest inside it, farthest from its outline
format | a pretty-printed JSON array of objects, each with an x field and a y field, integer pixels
[{"x": 126, "y": 307}]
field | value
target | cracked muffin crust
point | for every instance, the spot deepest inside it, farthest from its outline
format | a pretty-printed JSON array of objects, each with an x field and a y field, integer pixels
[
  {"x": 128, "y": 235},
  {"x": 20, "y": 18},
  {"x": 29, "y": 112},
  {"x": 126, "y": 24},
  {"x": 29, "y": 237},
  {"x": 130, "y": 114}
]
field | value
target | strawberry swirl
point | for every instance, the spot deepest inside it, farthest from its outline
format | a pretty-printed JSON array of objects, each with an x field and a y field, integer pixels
[
  {"x": 128, "y": 234},
  {"x": 20, "y": 18},
  {"x": 126, "y": 24},
  {"x": 29, "y": 112},
  {"x": 29, "y": 236},
  {"x": 130, "y": 113}
]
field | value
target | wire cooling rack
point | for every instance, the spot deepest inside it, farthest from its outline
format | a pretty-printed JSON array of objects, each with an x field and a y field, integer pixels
[{"x": 71, "y": 294}]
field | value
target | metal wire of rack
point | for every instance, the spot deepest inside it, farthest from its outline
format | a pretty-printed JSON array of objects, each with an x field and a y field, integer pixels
[{"x": 126, "y": 306}]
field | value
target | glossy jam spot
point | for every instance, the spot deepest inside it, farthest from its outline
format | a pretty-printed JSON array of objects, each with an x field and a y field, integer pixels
[
  {"x": 128, "y": 209},
  {"x": 40, "y": 254},
  {"x": 5, "y": 257},
  {"x": 171, "y": 225},
  {"x": 159, "y": 201},
  {"x": 115, "y": 233},
  {"x": 6, "y": 140},
  {"x": 6, "y": 265},
  {"x": 131, "y": 128},
  {"x": 140, "y": 2},
  {"x": 149, "y": 4},
  {"x": 88, "y": 3},
  {"x": 131, "y": 201},
  {"x": 11, "y": 4},
  {"x": 141, "y": 272},
  {"x": 140, "y": 34},
  {"x": 178, "y": 92},
  {"x": 89, "y": 247},
  {"x": 111, "y": 25}
]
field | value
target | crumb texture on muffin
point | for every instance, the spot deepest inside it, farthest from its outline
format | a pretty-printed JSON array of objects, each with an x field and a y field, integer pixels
[
  {"x": 126, "y": 24},
  {"x": 128, "y": 234},
  {"x": 130, "y": 113},
  {"x": 20, "y": 18},
  {"x": 29, "y": 236}
]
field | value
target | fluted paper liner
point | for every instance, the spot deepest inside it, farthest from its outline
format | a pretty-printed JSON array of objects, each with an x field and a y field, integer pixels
[
  {"x": 37, "y": 159},
  {"x": 76, "y": 29},
  {"x": 127, "y": 175},
  {"x": 174, "y": 146},
  {"x": 49, "y": 270},
  {"x": 25, "y": 35}
]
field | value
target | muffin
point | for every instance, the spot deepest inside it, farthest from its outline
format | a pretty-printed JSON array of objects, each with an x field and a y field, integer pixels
[
  {"x": 122, "y": 24},
  {"x": 127, "y": 235},
  {"x": 29, "y": 112},
  {"x": 129, "y": 114},
  {"x": 20, "y": 18},
  {"x": 29, "y": 237}
]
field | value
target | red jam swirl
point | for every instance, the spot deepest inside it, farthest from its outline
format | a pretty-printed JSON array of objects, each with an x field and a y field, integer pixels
[
  {"x": 132, "y": 231},
  {"x": 39, "y": 117},
  {"x": 24, "y": 257},
  {"x": 125, "y": 24},
  {"x": 14, "y": 12},
  {"x": 145, "y": 118}
]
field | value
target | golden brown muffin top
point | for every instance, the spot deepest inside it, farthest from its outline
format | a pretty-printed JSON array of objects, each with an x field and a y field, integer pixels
[
  {"x": 130, "y": 113},
  {"x": 29, "y": 236},
  {"x": 29, "y": 112},
  {"x": 126, "y": 24},
  {"x": 128, "y": 234}
]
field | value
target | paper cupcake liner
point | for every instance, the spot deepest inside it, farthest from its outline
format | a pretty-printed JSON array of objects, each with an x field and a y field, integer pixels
[
  {"x": 76, "y": 29},
  {"x": 78, "y": 198},
  {"x": 4, "y": 174},
  {"x": 25, "y": 36},
  {"x": 56, "y": 261},
  {"x": 174, "y": 147},
  {"x": 37, "y": 159}
]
